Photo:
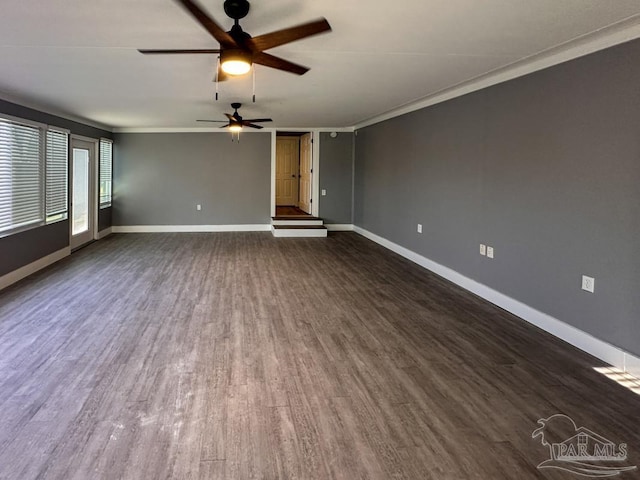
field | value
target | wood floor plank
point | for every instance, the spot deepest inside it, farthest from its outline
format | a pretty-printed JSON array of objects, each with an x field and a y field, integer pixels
[{"x": 242, "y": 356}]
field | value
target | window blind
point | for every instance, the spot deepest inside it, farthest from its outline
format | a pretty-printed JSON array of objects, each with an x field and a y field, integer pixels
[
  {"x": 106, "y": 164},
  {"x": 21, "y": 175},
  {"x": 57, "y": 162}
]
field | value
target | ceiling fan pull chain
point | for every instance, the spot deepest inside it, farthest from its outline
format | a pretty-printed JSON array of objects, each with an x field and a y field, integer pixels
[
  {"x": 217, "y": 70},
  {"x": 254, "y": 84}
]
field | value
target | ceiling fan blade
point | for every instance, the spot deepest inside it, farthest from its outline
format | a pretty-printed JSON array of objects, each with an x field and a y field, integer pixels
[
  {"x": 252, "y": 125},
  {"x": 231, "y": 117},
  {"x": 225, "y": 126},
  {"x": 279, "y": 63},
  {"x": 170, "y": 52},
  {"x": 208, "y": 23},
  {"x": 287, "y": 35},
  {"x": 212, "y": 121},
  {"x": 258, "y": 120}
]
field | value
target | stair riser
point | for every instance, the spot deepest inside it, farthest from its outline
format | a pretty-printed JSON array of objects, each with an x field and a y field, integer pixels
[
  {"x": 296, "y": 222},
  {"x": 281, "y": 232}
]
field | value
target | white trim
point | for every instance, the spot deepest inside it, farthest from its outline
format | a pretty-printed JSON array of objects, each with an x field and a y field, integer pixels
[
  {"x": 92, "y": 234},
  {"x": 315, "y": 173},
  {"x": 23, "y": 272},
  {"x": 273, "y": 173},
  {"x": 606, "y": 37},
  {"x": 190, "y": 228},
  {"x": 104, "y": 233},
  {"x": 582, "y": 340},
  {"x": 315, "y": 165},
  {"x": 53, "y": 128},
  {"x": 339, "y": 227},
  {"x": 42, "y": 109},
  {"x": 220, "y": 130},
  {"x": 298, "y": 221},
  {"x": 314, "y": 129},
  {"x": 632, "y": 365}
]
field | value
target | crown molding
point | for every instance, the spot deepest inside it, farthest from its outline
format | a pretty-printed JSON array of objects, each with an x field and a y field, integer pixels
[
  {"x": 220, "y": 130},
  {"x": 612, "y": 35}
]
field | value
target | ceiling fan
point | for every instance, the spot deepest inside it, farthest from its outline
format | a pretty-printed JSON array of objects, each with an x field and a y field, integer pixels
[
  {"x": 236, "y": 122},
  {"x": 238, "y": 50}
]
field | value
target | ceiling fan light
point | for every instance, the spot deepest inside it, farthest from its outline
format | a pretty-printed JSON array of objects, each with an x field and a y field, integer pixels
[
  {"x": 235, "y": 127},
  {"x": 235, "y": 62}
]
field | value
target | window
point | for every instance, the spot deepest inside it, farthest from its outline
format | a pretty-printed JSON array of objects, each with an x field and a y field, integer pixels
[
  {"x": 106, "y": 164},
  {"x": 57, "y": 181},
  {"x": 33, "y": 175}
]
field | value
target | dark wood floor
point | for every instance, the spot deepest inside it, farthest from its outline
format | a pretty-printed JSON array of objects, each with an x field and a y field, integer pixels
[
  {"x": 288, "y": 211},
  {"x": 241, "y": 356}
]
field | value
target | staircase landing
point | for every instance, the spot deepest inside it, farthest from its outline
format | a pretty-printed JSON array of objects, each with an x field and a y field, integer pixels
[{"x": 293, "y": 222}]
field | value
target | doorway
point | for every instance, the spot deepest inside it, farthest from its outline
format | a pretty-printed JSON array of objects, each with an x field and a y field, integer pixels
[
  {"x": 83, "y": 191},
  {"x": 294, "y": 170}
]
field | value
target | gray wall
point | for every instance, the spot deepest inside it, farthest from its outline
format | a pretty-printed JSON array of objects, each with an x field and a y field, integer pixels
[
  {"x": 22, "y": 248},
  {"x": 336, "y": 177},
  {"x": 544, "y": 168},
  {"x": 159, "y": 178}
]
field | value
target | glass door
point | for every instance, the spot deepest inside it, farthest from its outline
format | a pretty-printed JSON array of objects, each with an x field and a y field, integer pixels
[{"x": 83, "y": 191}]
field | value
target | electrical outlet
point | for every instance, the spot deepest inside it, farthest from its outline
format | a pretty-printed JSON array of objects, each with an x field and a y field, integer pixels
[
  {"x": 483, "y": 249},
  {"x": 490, "y": 252},
  {"x": 419, "y": 228},
  {"x": 198, "y": 207},
  {"x": 324, "y": 192},
  {"x": 588, "y": 283}
]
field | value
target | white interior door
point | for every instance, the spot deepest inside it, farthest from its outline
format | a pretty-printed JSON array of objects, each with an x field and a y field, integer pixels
[
  {"x": 287, "y": 159},
  {"x": 306, "y": 165},
  {"x": 83, "y": 191}
]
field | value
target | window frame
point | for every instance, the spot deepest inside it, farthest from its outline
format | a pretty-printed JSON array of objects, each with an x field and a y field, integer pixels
[
  {"x": 42, "y": 128},
  {"x": 108, "y": 203},
  {"x": 65, "y": 214}
]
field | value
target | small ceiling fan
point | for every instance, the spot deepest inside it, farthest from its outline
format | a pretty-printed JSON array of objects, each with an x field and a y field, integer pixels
[
  {"x": 236, "y": 122},
  {"x": 238, "y": 50}
]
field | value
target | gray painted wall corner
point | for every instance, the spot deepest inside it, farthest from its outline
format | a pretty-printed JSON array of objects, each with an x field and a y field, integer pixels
[
  {"x": 336, "y": 177},
  {"x": 544, "y": 168}
]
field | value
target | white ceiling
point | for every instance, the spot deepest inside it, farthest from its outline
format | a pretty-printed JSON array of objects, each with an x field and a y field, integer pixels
[{"x": 79, "y": 58}]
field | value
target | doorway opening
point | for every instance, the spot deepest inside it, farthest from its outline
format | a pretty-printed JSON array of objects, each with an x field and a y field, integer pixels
[
  {"x": 294, "y": 173},
  {"x": 83, "y": 191}
]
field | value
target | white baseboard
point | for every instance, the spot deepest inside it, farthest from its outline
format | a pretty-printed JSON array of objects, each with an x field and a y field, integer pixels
[
  {"x": 103, "y": 233},
  {"x": 190, "y": 228},
  {"x": 576, "y": 337},
  {"x": 632, "y": 365},
  {"x": 17, "y": 275},
  {"x": 339, "y": 227}
]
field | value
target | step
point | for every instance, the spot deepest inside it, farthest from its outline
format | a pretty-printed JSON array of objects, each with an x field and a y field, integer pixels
[
  {"x": 299, "y": 230},
  {"x": 301, "y": 220}
]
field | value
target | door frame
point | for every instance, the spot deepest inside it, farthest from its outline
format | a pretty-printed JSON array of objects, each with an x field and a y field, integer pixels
[
  {"x": 315, "y": 165},
  {"x": 93, "y": 228}
]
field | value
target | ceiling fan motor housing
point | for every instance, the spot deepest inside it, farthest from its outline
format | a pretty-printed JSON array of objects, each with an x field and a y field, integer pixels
[
  {"x": 236, "y": 9},
  {"x": 238, "y": 50}
]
